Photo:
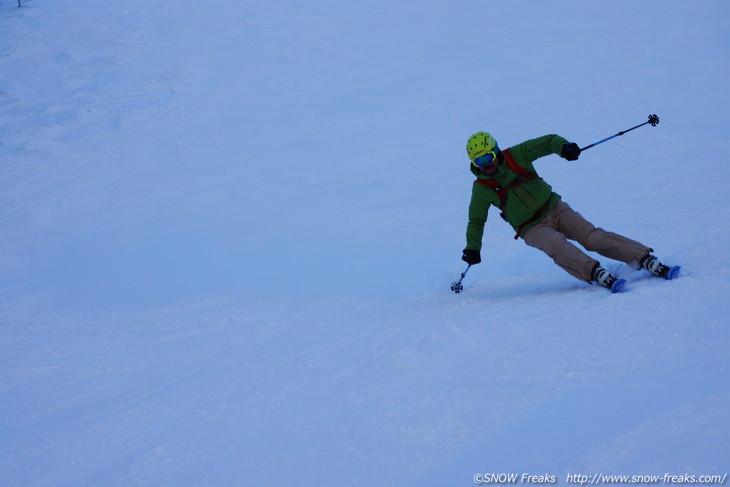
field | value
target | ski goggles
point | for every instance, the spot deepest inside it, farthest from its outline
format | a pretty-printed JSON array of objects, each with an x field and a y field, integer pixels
[{"x": 487, "y": 158}]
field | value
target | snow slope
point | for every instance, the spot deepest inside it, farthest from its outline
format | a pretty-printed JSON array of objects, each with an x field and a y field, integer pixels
[{"x": 228, "y": 232}]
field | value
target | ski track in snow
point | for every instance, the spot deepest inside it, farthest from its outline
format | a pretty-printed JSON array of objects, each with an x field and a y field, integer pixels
[{"x": 228, "y": 234}]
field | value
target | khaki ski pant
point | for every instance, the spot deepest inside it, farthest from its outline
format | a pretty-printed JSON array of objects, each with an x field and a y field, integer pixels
[{"x": 551, "y": 235}]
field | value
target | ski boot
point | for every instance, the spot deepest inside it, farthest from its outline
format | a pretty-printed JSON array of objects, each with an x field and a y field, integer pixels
[
  {"x": 652, "y": 264},
  {"x": 605, "y": 279}
]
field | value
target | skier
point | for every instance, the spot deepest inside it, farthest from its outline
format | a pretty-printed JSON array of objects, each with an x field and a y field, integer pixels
[{"x": 508, "y": 180}]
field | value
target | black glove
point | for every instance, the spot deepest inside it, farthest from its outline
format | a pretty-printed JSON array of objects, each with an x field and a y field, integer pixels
[
  {"x": 471, "y": 256},
  {"x": 571, "y": 151}
]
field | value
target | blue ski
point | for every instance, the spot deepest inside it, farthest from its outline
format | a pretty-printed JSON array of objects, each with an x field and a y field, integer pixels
[
  {"x": 618, "y": 286},
  {"x": 673, "y": 273}
]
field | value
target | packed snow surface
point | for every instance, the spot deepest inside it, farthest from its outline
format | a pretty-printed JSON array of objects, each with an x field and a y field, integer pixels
[{"x": 228, "y": 232}]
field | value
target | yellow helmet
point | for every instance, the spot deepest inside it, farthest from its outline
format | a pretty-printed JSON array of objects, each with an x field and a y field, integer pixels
[{"x": 479, "y": 144}]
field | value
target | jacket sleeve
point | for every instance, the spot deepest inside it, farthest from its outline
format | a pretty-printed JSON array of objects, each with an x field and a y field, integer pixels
[
  {"x": 533, "y": 149},
  {"x": 478, "y": 212}
]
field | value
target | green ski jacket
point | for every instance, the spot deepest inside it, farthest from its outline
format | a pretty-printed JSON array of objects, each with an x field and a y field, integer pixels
[{"x": 527, "y": 200}]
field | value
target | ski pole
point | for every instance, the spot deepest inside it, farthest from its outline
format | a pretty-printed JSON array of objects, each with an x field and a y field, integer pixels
[
  {"x": 456, "y": 286},
  {"x": 653, "y": 120}
]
